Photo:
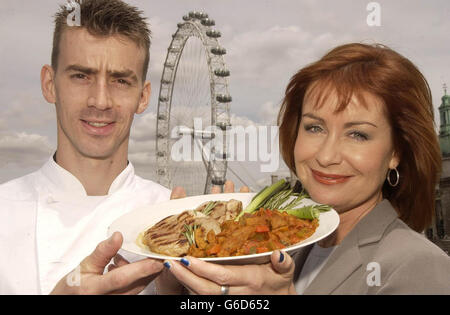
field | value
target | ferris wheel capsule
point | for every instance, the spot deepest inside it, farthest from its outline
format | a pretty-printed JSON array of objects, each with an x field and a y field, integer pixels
[
  {"x": 222, "y": 72},
  {"x": 213, "y": 33},
  {"x": 218, "y": 51},
  {"x": 223, "y": 98},
  {"x": 208, "y": 22}
]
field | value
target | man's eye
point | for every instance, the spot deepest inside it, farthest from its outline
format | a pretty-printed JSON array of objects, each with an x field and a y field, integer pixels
[
  {"x": 123, "y": 82},
  {"x": 78, "y": 76}
]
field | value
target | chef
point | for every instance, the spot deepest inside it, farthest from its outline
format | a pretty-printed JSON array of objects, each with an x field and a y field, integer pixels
[{"x": 53, "y": 222}]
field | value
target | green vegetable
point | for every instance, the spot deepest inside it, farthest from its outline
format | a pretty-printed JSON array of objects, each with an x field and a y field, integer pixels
[
  {"x": 264, "y": 195},
  {"x": 259, "y": 193},
  {"x": 209, "y": 207},
  {"x": 308, "y": 212},
  {"x": 294, "y": 202},
  {"x": 278, "y": 200},
  {"x": 189, "y": 233},
  {"x": 277, "y": 196}
]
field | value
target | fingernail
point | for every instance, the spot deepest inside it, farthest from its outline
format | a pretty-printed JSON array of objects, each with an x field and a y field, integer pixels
[
  {"x": 185, "y": 262},
  {"x": 167, "y": 264},
  {"x": 281, "y": 257}
]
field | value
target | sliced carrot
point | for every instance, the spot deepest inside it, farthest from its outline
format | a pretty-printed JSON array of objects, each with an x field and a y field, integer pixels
[
  {"x": 283, "y": 228},
  {"x": 214, "y": 250},
  {"x": 295, "y": 239},
  {"x": 262, "y": 228},
  {"x": 279, "y": 245}
]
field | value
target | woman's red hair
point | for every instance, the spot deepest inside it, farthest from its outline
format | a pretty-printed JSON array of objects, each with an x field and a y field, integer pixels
[{"x": 355, "y": 69}]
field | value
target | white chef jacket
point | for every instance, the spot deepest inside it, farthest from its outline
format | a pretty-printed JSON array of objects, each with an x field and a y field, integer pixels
[{"x": 48, "y": 224}]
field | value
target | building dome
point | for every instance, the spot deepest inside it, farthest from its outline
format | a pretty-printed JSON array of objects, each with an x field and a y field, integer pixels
[
  {"x": 444, "y": 130},
  {"x": 445, "y": 100}
]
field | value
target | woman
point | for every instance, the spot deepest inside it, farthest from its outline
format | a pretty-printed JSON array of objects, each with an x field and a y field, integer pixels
[{"x": 357, "y": 128}]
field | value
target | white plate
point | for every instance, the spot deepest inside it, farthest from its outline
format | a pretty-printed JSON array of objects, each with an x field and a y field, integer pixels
[{"x": 140, "y": 219}]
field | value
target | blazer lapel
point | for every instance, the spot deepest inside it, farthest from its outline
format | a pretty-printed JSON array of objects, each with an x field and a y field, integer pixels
[
  {"x": 346, "y": 258},
  {"x": 343, "y": 261},
  {"x": 299, "y": 258}
]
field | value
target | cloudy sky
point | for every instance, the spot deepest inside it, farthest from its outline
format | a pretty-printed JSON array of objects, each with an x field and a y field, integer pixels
[{"x": 266, "y": 42}]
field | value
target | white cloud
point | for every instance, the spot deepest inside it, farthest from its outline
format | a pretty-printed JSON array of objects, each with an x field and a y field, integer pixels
[
  {"x": 2, "y": 124},
  {"x": 263, "y": 55},
  {"x": 24, "y": 149},
  {"x": 144, "y": 127},
  {"x": 269, "y": 113},
  {"x": 254, "y": 55},
  {"x": 241, "y": 121}
]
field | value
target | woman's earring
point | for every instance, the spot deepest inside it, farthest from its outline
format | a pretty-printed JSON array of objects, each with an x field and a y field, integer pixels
[{"x": 397, "y": 177}]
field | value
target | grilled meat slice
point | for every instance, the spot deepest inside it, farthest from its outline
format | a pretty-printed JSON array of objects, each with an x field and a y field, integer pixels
[
  {"x": 223, "y": 210},
  {"x": 166, "y": 237}
]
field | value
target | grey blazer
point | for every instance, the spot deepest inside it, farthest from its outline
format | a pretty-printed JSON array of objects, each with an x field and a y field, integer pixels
[{"x": 381, "y": 255}]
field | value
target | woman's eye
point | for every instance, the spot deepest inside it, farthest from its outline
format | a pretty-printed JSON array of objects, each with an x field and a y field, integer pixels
[
  {"x": 360, "y": 136},
  {"x": 313, "y": 128}
]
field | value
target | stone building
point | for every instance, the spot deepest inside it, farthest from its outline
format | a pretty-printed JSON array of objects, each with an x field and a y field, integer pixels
[{"x": 439, "y": 233}]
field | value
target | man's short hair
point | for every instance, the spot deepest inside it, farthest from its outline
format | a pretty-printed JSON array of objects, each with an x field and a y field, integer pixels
[{"x": 106, "y": 18}]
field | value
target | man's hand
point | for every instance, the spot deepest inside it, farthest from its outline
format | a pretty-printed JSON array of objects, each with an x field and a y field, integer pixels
[
  {"x": 228, "y": 188},
  {"x": 179, "y": 192},
  {"x": 123, "y": 277}
]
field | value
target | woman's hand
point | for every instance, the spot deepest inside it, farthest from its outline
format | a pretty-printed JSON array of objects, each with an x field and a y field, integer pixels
[{"x": 201, "y": 277}]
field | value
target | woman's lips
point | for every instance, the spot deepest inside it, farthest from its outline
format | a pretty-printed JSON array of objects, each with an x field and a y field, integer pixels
[
  {"x": 329, "y": 179},
  {"x": 98, "y": 128}
]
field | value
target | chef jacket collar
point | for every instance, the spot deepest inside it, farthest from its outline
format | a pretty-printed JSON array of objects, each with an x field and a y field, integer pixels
[{"x": 62, "y": 182}]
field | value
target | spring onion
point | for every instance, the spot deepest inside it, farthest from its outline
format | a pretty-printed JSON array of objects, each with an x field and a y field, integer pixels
[
  {"x": 308, "y": 212},
  {"x": 294, "y": 202},
  {"x": 263, "y": 196},
  {"x": 278, "y": 197}
]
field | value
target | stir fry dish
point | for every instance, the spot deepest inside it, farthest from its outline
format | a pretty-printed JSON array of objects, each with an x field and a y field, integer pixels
[
  {"x": 274, "y": 219},
  {"x": 259, "y": 232}
]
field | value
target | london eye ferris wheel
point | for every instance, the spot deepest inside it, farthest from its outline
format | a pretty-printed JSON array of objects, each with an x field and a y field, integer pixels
[{"x": 193, "y": 89}]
